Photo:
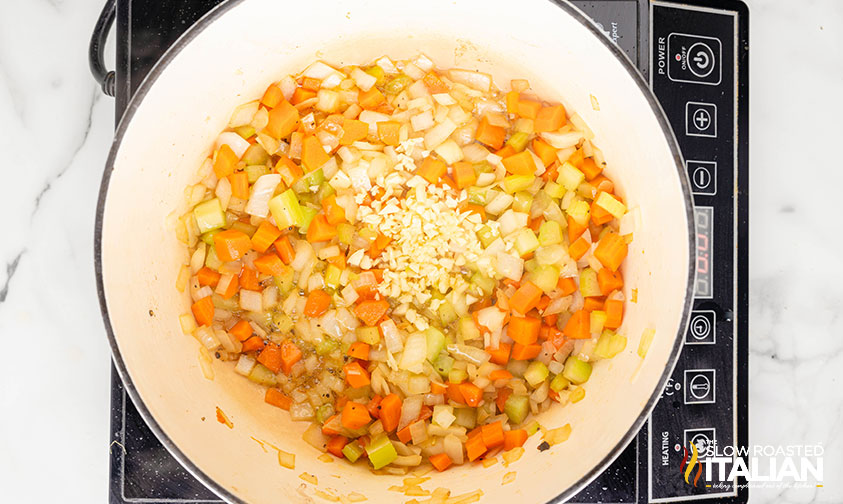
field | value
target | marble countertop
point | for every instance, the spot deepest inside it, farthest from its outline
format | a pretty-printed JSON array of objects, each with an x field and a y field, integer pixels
[{"x": 57, "y": 127}]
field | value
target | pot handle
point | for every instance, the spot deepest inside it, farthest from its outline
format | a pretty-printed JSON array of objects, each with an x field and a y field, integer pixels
[{"x": 96, "y": 48}]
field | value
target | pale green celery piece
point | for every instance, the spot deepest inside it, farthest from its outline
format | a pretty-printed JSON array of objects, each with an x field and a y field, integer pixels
[
  {"x": 345, "y": 232},
  {"x": 517, "y": 367},
  {"x": 315, "y": 178},
  {"x": 397, "y": 84},
  {"x": 457, "y": 375},
  {"x": 308, "y": 213},
  {"x": 286, "y": 210},
  {"x": 381, "y": 452},
  {"x": 483, "y": 167},
  {"x": 468, "y": 329},
  {"x": 230, "y": 304},
  {"x": 609, "y": 344},
  {"x": 554, "y": 190},
  {"x": 352, "y": 451},
  {"x": 522, "y": 202},
  {"x": 516, "y": 408},
  {"x": 536, "y": 373},
  {"x": 515, "y": 183},
  {"x": 284, "y": 282},
  {"x": 530, "y": 265},
  {"x": 486, "y": 284},
  {"x": 569, "y": 176},
  {"x": 598, "y": 318},
  {"x": 579, "y": 211},
  {"x": 254, "y": 172},
  {"x": 550, "y": 233},
  {"x": 212, "y": 260},
  {"x": 209, "y": 215},
  {"x": 368, "y": 234},
  {"x": 244, "y": 227},
  {"x": 332, "y": 276},
  {"x": 255, "y": 155},
  {"x": 208, "y": 237},
  {"x": 260, "y": 374},
  {"x": 526, "y": 242},
  {"x": 477, "y": 195},
  {"x": 545, "y": 278},
  {"x": 444, "y": 364},
  {"x": 466, "y": 417},
  {"x": 447, "y": 314},
  {"x": 368, "y": 335},
  {"x": 325, "y": 344},
  {"x": 559, "y": 383},
  {"x": 589, "y": 287},
  {"x": 376, "y": 72},
  {"x": 325, "y": 190},
  {"x": 324, "y": 412},
  {"x": 282, "y": 322},
  {"x": 532, "y": 427},
  {"x": 576, "y": 370},
  {"x": 485, "y": 235},
  {"x": 301, "y": 187},
  {"x": 245, "y": 131},
  {"x": 518, "y": 141},
  {"x": 435, "y": 342},
  {"x": 540, "y": 203}
]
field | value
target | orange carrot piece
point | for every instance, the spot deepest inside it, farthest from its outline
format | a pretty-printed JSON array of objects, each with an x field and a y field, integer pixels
[
  {"x": 288, "y": 169},
  {"x": 327, "y": 427},
  {"x": 578, "y": 249},
  {"x": 454, "y": 393},
  {"x": 575, "y": 229},
  {"x": 203, "y": 311},
  {"x": 434, "y": 83},
  {"x": 242, "y": 331},
  {"x": 320, "y": 230},
  {"x": 525, "y": 352},
  {"x": 233, "y": 287},
  {"x": 231, "y": 244},
  {"x": 524, "y": 330},
  {"x": 388, "y": 132},
  {"x": 568, "y": 285},
  {"x": 335, "y": 445},
  {"x": 609, "y": 281},
  {"x": 506, "y": 151},
  {"x": 471, "y": 393},
  {"x": 354, "y": 416},
  {"x": 270, "y": 264},
  {"x": 290, "y": 354},
  {"x": 432, "y": 169},
  {"x": 474, "y": 447},
  {"x": 270, "y": 357},
  {"x": 404, "y": 435},
  {"x": 528, "y": 108},
  {"x": 352, "y": 131},
  {"x": 614, "y": 313},
  {"x": 278, "y": 399},
  {"x": 334, "y": 213},
  {"x": 500, "y": 374},
  {"x": 514, "y": 438},
  {"x": 371, "y": 311},
  {"x": 285, "y": 250},
  {"x": 313, "y": 156},
  {"x": 590, "y": 169},
  {"x": 355, "y": 375},
  {"x": 318, "y": 302},
  {"x": 207, "y": 276},
  {"x": 438, "y": 388},
  {"x": 311, "y": 83},
  {"x": 440, "y": 461},
  {"x": 544, "y": 151},
  {"x": 370, "y": 99},
  {"x": 500, "y": 399},
  {"x": 359, "y": 350},
  {"x": 464, "y": 174},
  {"x": 492, "y": 434},
  {"x": 373, "y": 406},
  {"x": 265, "y": 235},
  {"x": 249, "y": 279},
  {"x": 225, "y": 161},
  {"x": 520, "y": 164},
  {"x": 501, "y": 355},
  {"x": 611, "y": 251},
  {"x": 592, "y": 303},
  {"x": 378, "y": 245},
  {"x": 512, "y": 98},
  {"x": 390, "y": 412},
  {"x": 599, "y": 215},
  {"x": 239, "y": 185},
  {"x": 550, "y": 119},
  {"x": 272, "y": 96},
  {"x": 525, "y": 298},
  {"x": 283, "y": 120},
  {"x": 492, "y": 136},
  {"x": 578, "y": 326},
  {"x": 301, "y": 94},
  {"x": 252, "y": 344}
]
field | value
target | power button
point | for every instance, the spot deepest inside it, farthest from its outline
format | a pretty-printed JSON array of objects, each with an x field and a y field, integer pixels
[{"x": 694, "y": 58}]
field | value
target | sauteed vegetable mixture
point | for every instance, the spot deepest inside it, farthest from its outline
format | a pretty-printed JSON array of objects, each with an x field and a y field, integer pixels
[{"x": 407, "y": 257}]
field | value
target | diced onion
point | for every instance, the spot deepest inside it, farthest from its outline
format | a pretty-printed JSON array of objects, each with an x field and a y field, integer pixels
[
  {"x": 410, "y": 409},
  {"x": 476, "y": 80},
  {"x": 262, "y": 192},
  {"x": 415, "y": 353},
  {"x": 391, "y": 336},
  {"x": 243, "y": 114},
  {"x": 237, "y": 143},
  {"x": 245, "y": 364},
  {"x": 509, "y": 266},
  {"x": 562, "y": 140}
]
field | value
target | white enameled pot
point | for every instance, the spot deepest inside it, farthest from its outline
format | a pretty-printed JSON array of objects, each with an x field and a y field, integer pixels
[{"x": 229, "y": 58}]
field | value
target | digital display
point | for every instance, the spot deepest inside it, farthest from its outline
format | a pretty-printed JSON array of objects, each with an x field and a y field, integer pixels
[{"x": 704, "y": 217}]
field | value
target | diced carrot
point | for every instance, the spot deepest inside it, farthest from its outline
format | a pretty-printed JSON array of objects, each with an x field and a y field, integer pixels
[
  {"x": 578, "y": 249},
  {"x": 556, "y": 337},
  {"x": 438, "y": 388},
  {"x": 601, "y": 183},
  {"x": 390, "y": 412},
  {"x": 506, "y": 151},
  {"x": 577, "y": 158},
  {"x": 524, "y": 330},
  {"x": 609, "y": 281},
  {"x": 283, "y": 120},
  {"x": 471, "y": 393},
  {"x": 550, "y": 119},
  {"x": 249, "y": 279},
  {"x": 354, "y": 416},
  {"x": 311, "y": 83},
  {"x": 355, "y": 375},
  {"x": 203, "y": 311},
  {"x": 264, "y": 236},
  {"x": 525, "y": 352},
  {"x": 335, "y": 445},
  {"x": 285, "y": 250},
  {"x": 334, "y": 213},
  {"x": 270, "y": 264},
  {"x": 578, "y": 326},
  {"x": 592, "y": 303},
  {"x": 404, "y": 435},
  {"x": 432, "y": 169},
  {"x": 239, "y": 185},
  {"x": 337, "y": 260},
  {"x": 491, "y": 136},
  {"x": 231, "y": 244},
  {"x": 599, "y": 215},
  {"x": 225, "y": 161},
  {"x": 207, "y": 276},
  {"x": 535, "y": 224},
  {"x": 370, "y": 99},
  {"x": 278, "y": 399},
  {"x": 352, "y": 131},
  {"x": 492, "y": 434},
  {"x": 378, "y": 245},
  {"x": 610, "y": 251},
  {"x": 514, "y": 438},
  {"x": 327, "y": 427},
  {"x": 425, "y": 413},
  {"x": 544, "y": 151},
  {"x": 474, "y": 447},
  {"x": 288, "y": 169},
  {"x": 371, "y": 311},
  {"x": 590, "y": 169},
  {"x": 318, "y": 302},
  {"x": 528, "y": 108},
  {"x": 543, "y": 302},
  {"x": 270, "y": 357},
  {"x": 252, "y": 344},
  {"x": 520, "y": 164},
  {"x": 503, "y": 395},
  {"x": 373, "y": 406},
  {"x": 290, "y": 354},
  {"x": 359, "y": 350},
  {"x": 550, "y": 319},
  {"x": 525, "y": 298},
  {"x": 479, "y": 210},
  {"x": 512, "y": 98},
  {"x": 301, "y": 94},
  {"x": 272, "y": 96},
  {"x": 242, "y": 331},
  {"x": 552, "y": 172},
  {"x": 440, "y": 461},
  {"x": 231, "y": 289},
  {"x": 575, "y": 230},
  {"x": 464, "y": 174},
  {"x": 320, "y": 230},
  {"x": 614, "y": 313},
  {"x": 313, "y": 156},
  {"x": 501, "y": 355},
  {"x": 388, "y": 132},
  {"x": 454, "y": 393},
  {"x": 434, "y": 83},
  {"x": 500, "y": 374}
]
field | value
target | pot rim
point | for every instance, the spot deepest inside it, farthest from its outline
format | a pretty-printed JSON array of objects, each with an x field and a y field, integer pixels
[{"x": 197, "y": 28}]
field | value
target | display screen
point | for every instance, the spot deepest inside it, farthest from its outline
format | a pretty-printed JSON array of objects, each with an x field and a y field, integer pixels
[{"x": 704, "y": 217}]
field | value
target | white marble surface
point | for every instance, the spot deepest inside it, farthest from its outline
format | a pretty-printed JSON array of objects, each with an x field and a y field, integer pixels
[{"x": 55, "y": 131}]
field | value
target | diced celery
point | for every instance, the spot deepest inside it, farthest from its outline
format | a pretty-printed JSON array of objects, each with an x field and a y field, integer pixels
[
  {"x": 589, "y": 287},
  {"x": 368, "y": 233},
  {"x": 435, "y": 342},
  {"x": 545, "y": 278},
  {"x": 282, "y": 322},
  {"x": 209, "y": 215},
  {"x": 352, "y": 451},
  {"x": 284, "y": 282},
  {"x": 514, "y": 183},
  {"x": 286, "y": 210},
  {"x": 485, "y": 235},
  {"x": 518, "y": 141},
  {"x": 230, "y": 304},
  {"x": 517, "y": 367},
  {"x": 536, "y": 373},
  {"x": 397, "y": 84},
  {"x": 532, "y": 427},
  {"x": 516, "y": 408},
  {"x": 380, "y": 451},
  {"x": 576, "y": 371},
  {"x": 345, "y": 232},
  {"x": 554, "y": 190},
  {"x": 443, "y": 364},
  {"x": 325, "y": 190},
  {"x": 579, "y": 211},
  {"x": 550, "y": 233},
  {"x": 324, "y": 412},
  {"x": 569, "y": 176},
  {"x": 315, "y": 178},
  {"x": 477, "y": 195},
  {"x": 483, "y": 167},
  {"x": 255, "y": 155},
  {"x": 262, "y": 375},
  {"x": 598, "y": 318},
  {"x": 301, "y": 187},
  {"x": 376, "y": 72},
  {"x": 308, "y": 213},
  {"x": 526, "y": 242},
  {"x": 244, "y": 227},
  {"x": 531, "y": 265},
  {"x": 254, "y": 172},
  {"x": 466, "y": 417},
  {"x": 208, "y": 237},
  {"x": 457, "y": 375},
  {"x": 611, "y": 205},
  {"x": 212, "y": 260},
  {"x": 368, "y": 335},
  {"x": 609, "y": 344},
  {"x": 486, "y": 284},
  {"x": 245, "y": 131},
  {"x": 468, "y": 329},
  {"x": 559, "y": 383},
  {"x": 447, "y": 313},
  {"x": 325, "y": 344},
  {"x": 522, "y": 202},
  {"x": 332, "y": 276}
]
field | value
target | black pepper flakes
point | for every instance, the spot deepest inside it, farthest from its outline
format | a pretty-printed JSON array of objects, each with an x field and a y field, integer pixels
[{"x": 543, "y": 446}]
